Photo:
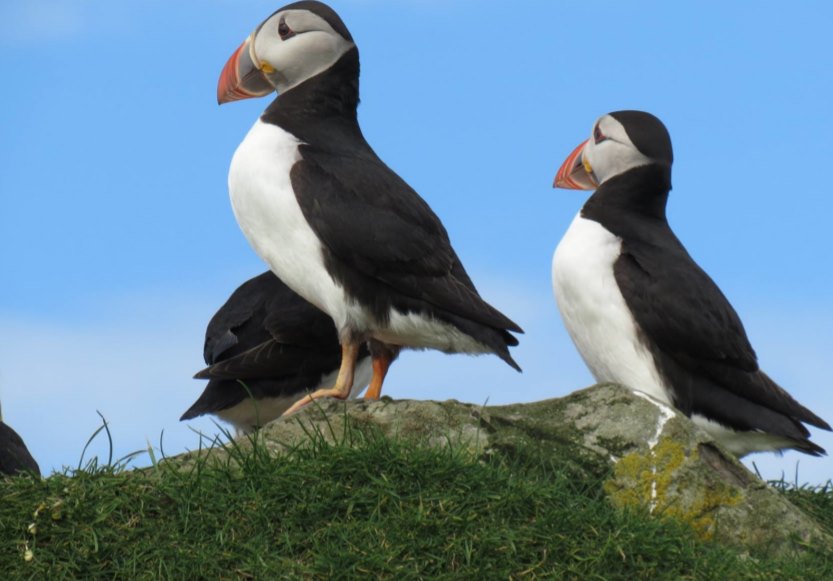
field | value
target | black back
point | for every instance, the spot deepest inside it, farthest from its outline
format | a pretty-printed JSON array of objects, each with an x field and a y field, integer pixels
[{"x": 271, "y": 340}]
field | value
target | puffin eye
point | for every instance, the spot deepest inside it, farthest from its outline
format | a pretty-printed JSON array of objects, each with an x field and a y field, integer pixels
[
  {"x": 284, "y": 31},
  {"x": 598, "y": 136}
]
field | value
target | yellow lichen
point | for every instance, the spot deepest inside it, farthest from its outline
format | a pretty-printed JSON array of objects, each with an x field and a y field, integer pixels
[{"x": 652, "y": 480}]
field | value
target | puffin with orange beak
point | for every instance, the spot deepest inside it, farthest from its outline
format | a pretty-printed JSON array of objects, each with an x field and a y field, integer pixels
[
  {"x": 643, "y": 314},
  {"x": 331, "y": 219}
]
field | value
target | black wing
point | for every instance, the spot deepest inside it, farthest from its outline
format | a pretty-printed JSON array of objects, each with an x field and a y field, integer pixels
[
  {"x": 264, "y": 309},
  {"x": 14, "y": 455},
  {"x": 372, "y": 221},
  {"x": 270, "y": 339},
  {"x": 265, "y": 330},
  {"x": 221, "y": 335},
  {"x": 678, "y": 306}
]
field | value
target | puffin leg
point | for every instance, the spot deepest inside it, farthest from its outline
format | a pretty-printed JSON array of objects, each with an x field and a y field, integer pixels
[
  {"x": 382, "y": 356},
  {"x": 344, "y": 381},
  {"x": 380, "y": 369}
]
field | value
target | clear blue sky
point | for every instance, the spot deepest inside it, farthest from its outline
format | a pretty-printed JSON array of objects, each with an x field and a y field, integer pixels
[{"x": 117, "y": 241}]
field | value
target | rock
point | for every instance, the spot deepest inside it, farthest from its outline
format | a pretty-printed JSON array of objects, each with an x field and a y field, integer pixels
[{"x": 647, "y": 456}]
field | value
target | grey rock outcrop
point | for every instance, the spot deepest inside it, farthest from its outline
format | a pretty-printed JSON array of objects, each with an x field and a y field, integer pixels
[{"x": 647, "y": 456}]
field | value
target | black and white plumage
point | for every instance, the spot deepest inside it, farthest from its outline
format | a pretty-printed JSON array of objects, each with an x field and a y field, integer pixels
[
  {"x": 329, "y": 217},
  {"x": 640, "y": 310},
  {"x": 265, "y": 349},
  {"x": 14, "y": 455}
]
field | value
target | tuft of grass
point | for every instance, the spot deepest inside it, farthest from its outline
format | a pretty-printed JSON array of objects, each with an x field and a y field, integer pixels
[
  {"x": 369, "y": 507},
  {"x": 817, "y": 501}
]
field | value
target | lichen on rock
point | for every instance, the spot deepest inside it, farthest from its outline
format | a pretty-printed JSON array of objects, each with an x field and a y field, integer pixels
[{"x": 655, "y": 479}]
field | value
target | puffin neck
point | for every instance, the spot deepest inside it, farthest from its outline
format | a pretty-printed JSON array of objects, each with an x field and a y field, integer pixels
[
  {"x": 333, "y": 93},
  {"x": 642, "y": 190}
]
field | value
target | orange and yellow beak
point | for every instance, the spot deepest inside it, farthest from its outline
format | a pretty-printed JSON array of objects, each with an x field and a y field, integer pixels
[
  {"x": 244, "y": 76},
  {"x": 575, "y": 173}
]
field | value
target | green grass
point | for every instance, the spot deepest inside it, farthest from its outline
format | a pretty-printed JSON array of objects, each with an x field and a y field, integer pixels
[
  {"x": 378, "y": 509},
  {"x": 817, "y": 501}
]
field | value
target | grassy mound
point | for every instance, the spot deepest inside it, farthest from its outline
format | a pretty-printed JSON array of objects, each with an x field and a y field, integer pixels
[{"x": 374, "y": 509}]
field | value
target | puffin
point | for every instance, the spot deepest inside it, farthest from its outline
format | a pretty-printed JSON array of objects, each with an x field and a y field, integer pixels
[
  {"x": 331, "y": 220},
  {"x": 640, "y": 310},
  {"x": 265, "y": 348},
  {"x": 15, "y": 457}
]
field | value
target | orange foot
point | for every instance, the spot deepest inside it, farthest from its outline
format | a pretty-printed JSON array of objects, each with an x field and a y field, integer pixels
[{"x": 344, "y": 381}]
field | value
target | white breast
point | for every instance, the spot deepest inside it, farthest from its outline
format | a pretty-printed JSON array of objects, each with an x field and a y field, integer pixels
[
  {"x": 594, "y": 311},
  {"x": 267, "y": 210}
]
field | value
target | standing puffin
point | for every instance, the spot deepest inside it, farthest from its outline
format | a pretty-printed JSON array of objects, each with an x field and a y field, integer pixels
[
  {"x": 643, "y": 314},
  {"x": 330, "y": 218},
  {"x": 266, "y": 348}
]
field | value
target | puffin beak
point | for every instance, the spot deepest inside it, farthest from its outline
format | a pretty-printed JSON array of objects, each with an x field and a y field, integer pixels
[
  {"x": 575, "y": 173},
  {"x": 244, "y": 76}
]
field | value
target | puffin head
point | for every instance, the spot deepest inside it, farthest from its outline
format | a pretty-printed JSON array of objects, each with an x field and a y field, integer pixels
[
  {"x": 620, "y": 141},
  {"x": 295, "y": 43}
]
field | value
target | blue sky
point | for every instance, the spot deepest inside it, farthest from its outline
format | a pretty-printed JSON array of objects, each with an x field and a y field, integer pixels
[{"x": 117, "y": 241}]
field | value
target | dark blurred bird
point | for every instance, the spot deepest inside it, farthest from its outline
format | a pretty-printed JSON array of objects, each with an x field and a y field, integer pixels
[
  {"x": 330, "y": 218},
  {"x": 643, "y": 314},
  {"x": 14, "y": 455},
  {"x": 266, "y": 348}
]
